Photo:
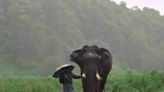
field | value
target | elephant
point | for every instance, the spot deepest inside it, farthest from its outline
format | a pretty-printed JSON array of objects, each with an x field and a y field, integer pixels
[{"x": 95, "y": 64}]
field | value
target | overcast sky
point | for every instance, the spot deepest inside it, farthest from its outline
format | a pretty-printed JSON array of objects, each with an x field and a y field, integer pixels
[{"x": 156, "y": 4}]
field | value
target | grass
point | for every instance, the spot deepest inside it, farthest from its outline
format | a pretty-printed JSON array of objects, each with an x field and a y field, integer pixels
[{"x": 117, "y": 82}]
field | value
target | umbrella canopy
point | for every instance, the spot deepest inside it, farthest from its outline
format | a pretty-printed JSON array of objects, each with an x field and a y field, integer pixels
[{"x": 63, "y": 69}]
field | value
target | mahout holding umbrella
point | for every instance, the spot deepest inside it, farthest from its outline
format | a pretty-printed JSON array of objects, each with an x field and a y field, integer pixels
[{"x": 65, "y": 75}]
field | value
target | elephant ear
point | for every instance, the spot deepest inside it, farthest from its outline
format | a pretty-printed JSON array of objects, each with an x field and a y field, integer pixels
[
  {"x": 104, "y": 53},
  {"x": 75, "y": 56}
]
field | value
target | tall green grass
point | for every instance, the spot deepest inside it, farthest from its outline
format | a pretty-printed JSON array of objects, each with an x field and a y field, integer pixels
[
  {"x": 117, "y": 82},
  {"x": 136, "y": 82}
]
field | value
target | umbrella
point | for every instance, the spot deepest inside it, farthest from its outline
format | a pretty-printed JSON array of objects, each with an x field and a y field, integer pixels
[{"x": 63, "y": 69}]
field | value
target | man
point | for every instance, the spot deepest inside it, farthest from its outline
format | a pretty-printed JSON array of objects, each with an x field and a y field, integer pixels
[{"x": 66, "y": 79}]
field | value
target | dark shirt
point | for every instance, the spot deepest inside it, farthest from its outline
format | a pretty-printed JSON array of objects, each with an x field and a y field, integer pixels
[{"x": 67, "y": 78}]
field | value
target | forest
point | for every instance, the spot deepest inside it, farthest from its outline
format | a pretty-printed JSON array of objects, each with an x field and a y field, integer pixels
[{"x": 36, "y": 36}]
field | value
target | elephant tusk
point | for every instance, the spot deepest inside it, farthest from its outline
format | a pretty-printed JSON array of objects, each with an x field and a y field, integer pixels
[
  {"x": 98, "y": 76},
  {"x": 83, "y": 75}
]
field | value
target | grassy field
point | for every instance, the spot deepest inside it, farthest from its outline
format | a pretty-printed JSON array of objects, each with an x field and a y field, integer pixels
[{"x": 123, "y": 82}]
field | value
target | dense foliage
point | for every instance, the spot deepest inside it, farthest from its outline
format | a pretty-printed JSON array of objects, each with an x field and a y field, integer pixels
[
  {"x": 36, "y": 36},
  {"x": 117, "y": 82}
]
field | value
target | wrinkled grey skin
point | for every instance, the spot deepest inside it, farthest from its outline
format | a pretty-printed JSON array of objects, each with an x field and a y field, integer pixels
[{"x": 93, "y": 60}]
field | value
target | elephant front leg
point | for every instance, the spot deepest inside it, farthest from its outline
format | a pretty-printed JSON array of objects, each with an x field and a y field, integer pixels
[{"x": 102, "y": 85}]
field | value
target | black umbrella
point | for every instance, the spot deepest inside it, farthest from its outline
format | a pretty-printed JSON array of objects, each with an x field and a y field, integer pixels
[{"x": 63, "y": 69}]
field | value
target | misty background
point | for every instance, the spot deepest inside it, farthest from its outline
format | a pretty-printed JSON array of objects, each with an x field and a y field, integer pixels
[{"x": 36, "y": 36}]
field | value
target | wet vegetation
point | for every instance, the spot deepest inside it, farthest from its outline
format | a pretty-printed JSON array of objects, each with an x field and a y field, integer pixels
[{"x": 117, "y": 82}]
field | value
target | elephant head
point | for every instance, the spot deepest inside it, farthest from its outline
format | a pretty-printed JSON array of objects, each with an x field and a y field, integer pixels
[{"x": 95, "y": 64}]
